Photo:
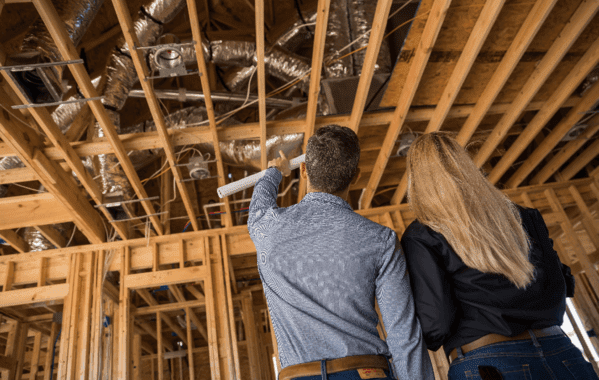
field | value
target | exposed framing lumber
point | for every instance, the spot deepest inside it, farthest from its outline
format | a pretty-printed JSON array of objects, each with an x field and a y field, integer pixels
[
  {"x": 375, "y": 40},
  {"x": 197, "y": 37},
  {"x": 259, "y": 17},
  {"x": 574, "y": 115},
  {"x": 150, "y": 140},
  {"x": 124, "y": 17},
  {"x": 567, "y": 152},
  {"x": 429, "y": 36},
  {"x": 52, "y": 235},
  {"x": 68, "y": 52},
  {"x": 32, "y": 295},
  {"x": 581, "y": 161},
  {"x": 479, "y": 34},
  {"x": 14, "y": 240},
  {"x": 536, "y": 17},
  {"x": 29, "y": 210},
  {"x": 28, "y": 144},
  {"x": 566, "y": 87},
  {"x": 576, "y": 25},
  {"x": 320, "y": 34}
]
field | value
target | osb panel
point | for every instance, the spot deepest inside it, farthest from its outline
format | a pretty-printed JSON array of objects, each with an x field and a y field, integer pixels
[{"x": 453, "y": 36}]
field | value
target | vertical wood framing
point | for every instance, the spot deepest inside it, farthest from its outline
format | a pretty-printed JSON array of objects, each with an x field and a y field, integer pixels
[
  {"x": 419, "y": 61},
  {"x": 160, "y": 350},
  {"x": 250, "y": 336},
  {"x": 536, "y": 17},
  {"x": 49, "y": 348},
  {"x": 137, "y": 357},
  {"x": 211, "y": 316},
  {"x": 579, "y": 250},
  {"x": 67, "y": 50},
  {"x": 190, "y": 344},
  {"x": 578, "y": 22},
  {"x": 230, "y": 309},
  {"x": 125, "y": 317}
]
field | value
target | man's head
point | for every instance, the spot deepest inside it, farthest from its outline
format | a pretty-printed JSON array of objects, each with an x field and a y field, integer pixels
[{"x": 332, "y": 157}]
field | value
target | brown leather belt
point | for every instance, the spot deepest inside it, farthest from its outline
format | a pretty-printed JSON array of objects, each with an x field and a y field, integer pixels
[
  {"x": 336, "y": 365},
  {"x": 496, "y": 338}
]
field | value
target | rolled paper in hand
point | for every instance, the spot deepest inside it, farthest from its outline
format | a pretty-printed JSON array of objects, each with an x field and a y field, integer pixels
[{"x": 249, "y": 181}]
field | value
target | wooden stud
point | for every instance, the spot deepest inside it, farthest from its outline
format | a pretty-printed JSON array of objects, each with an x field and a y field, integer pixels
[
  {"x": 137, "y": 357},
  {"x": 579, "y": 250},
  {"x": 52, "y": 235},
  {"x": 67, "y": 50},
  {"x": 84, "y": 327},
  {"x": 190, "y": 344},
  {"x": 591, "y": 226},
  {"x": 166, "y": 194},
  {"x": 211, "y": 316},
  {"x": 182, "y": 253},
  {"x": 536, "y": 17},
  {"x": 250, "y": 335},
  {"x": 229, "y": 305},
  {"x": 429, "y": 36},
  {"x": 10, "y": 276},
  {"x": 582, "y": 334},
  {"x": 196, "y": 321},
  {"x": 583, "y": 15},
  {"x": 160, "y": 352}
]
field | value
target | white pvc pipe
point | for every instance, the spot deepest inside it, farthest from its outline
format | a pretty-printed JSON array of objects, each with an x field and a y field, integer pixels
[{"x": 249, "y": 181}]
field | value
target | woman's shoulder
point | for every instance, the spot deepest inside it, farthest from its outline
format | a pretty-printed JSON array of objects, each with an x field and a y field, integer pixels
[{"x": 419, "y": 231}]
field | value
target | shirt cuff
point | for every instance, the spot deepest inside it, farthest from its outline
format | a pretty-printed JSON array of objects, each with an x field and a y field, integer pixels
[{"x": 275, "y": 173}]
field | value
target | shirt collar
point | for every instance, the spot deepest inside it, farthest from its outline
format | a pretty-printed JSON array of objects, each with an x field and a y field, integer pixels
[{"x": 326, "y": 197}]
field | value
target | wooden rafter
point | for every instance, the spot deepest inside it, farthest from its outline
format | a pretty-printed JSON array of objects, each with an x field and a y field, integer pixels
[
  {"x": 574, "y": 115},
  {"x": 377, "y": 33},
  {"x": 259, "y": 16},
  {"x": 578, "y": 22},
  {"x": 581, "y": 161},
  {"x": 567, "y": 152},
  {"x": 27, "y": 144},
  {"x": 142, "y": 72},
  {"x": 429, "y": 36},
  {"x": 584, "y": 66},
  {"x": 479, "y": 34},
  {"x": 536, "y": 17},
  {"x": 62, "y": 144},
  {"x": 68, "y": 52},
  {"x": 320, "y": 34},
  {"x": 197, "y": 37}
]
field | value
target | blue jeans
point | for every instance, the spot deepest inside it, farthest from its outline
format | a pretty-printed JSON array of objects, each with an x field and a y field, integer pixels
[
  {"x": 547, "y": 358},
  {"x": 343, "y": 375}
]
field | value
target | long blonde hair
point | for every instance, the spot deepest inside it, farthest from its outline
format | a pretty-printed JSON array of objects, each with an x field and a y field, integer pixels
[{"x": 448, "y": 193}]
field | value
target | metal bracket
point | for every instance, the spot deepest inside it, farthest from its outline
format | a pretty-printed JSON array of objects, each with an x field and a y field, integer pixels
[
  {"x": 138, "y": 217},
  {"x": 37, "y": 105},
  {"x": 129, "y": 201},
  {"x": 18, "y": 68}
]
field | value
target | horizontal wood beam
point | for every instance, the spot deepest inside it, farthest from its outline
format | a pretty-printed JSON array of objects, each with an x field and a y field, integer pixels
[
  {"x": 31, "y": 210},
  {"x": 52, "y": 235},
  {"x": 14, "y": 240},
  {"x": 165, "y": 277},
  {"x": 33, "y": 295}
]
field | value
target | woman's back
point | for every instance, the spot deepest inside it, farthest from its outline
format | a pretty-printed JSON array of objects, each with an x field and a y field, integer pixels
[{"x": 457, "y": 304}]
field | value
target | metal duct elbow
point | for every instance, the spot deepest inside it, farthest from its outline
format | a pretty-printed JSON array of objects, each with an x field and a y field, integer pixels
[
  {"x": 361, "y": 17},
  {"x": 292, "y": 39}
]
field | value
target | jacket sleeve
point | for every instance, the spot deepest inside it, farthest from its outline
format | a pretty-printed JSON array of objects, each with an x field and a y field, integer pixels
[
  {"x": 264, "y": 199},
  {"x": 432, "y": 292},
  {"x": 547, "y": 243},
  {"x": 394, "y": 296}
]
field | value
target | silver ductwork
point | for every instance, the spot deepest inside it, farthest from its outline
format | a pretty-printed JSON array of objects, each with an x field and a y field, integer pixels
[
  {"x": 361, "y": 17},
  {"x": 39, "y": 46},
  {"x": 338, "y": 37},
  {"x": 34, "y": 238},
  {"x": 121, "y": 76},
  {"x": 292, "y": 39},
  {"x": 239, "y": 153}
]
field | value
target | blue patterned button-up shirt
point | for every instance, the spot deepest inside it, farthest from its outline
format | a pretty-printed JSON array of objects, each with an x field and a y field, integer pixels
[{"x": 322, "y": 265}]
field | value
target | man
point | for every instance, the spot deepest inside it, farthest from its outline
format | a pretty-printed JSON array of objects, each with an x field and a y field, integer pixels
[{"x": 322, "y": 265}]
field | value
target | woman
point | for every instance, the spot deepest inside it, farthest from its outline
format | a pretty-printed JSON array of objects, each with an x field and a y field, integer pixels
[{"x": 487, "y": 284}]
